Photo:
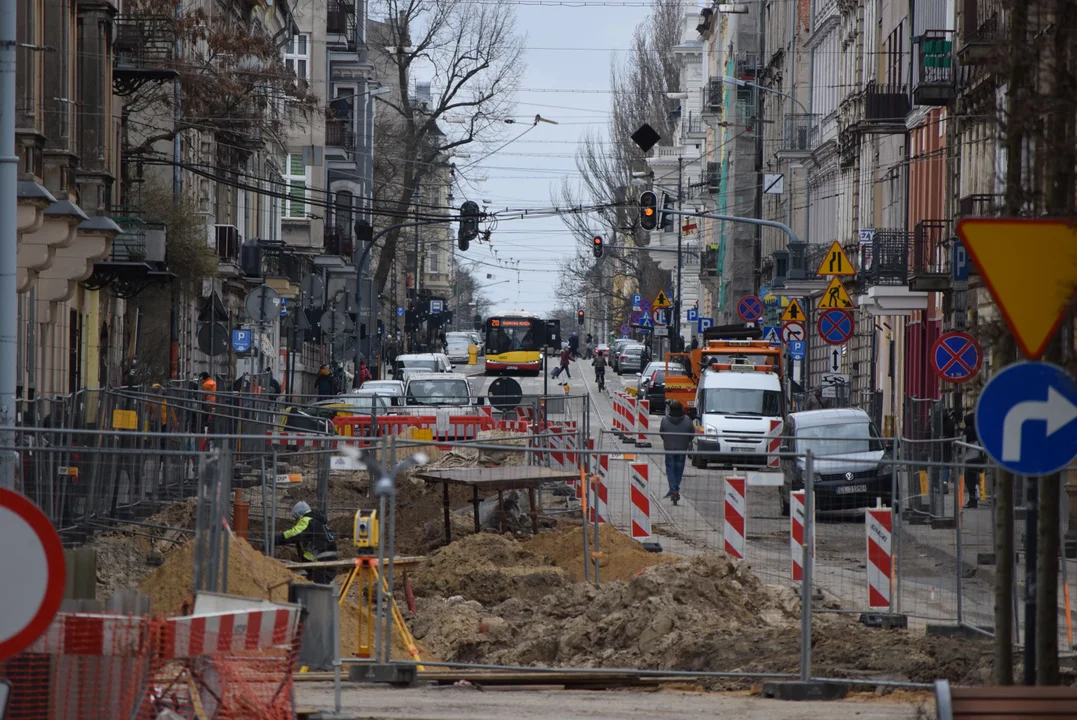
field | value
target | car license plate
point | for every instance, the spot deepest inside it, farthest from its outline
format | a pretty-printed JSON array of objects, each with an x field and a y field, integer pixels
[
  {"x": 851, "y": 489},
  {"x": 743, "y": 448}
]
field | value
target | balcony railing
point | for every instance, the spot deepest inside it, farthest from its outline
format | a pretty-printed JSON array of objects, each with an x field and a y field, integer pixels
[
  {"x": 984, "y": 26},
  {"x": 692, "y": 124},
  {"x": 708, "y": 262},
  {"x": 714, "y": 177},
  {"x": 799, "y": 133},
  {"x": 981, "y": 205},
  {"x": 144, "y": 52},
  {"x": 339, "y": 133},
  {"x": 935, "y": 69},
  {"x": 885, "y": 108},
  {"x": 713, "y": 94},
  {"x": 932, "y": 250},
  {"x": 889, "y": 259},
  {"x": 340, "y": 18}
]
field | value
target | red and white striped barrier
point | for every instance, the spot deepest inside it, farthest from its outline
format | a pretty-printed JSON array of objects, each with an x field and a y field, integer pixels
[
  {"x": 775, "y": 444},
  {"x": 92, "y": 634},
  {"x": 796, "y": 539},
  {"x": 879, "y": 524},
  {"x": 557, "y": 457},
  {"x": 570, "y": 442},
  {"x": 643, "y": 423},
  {"x": 734, "y": 515},
  {"x": 618, "y": 399},
  {"x": 216, "y": 633},
  {"x": 630, "y": 419},
  {"x": 299, "y": 439},
  {"x": 599, "y": 500},
  {"x": 640, "y": 513}
]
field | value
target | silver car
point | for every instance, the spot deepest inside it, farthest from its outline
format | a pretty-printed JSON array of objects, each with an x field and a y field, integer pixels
[{"x": 630, "y": 359}]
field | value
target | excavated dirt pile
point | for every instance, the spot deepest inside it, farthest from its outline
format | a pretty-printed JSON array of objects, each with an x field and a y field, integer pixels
[
  {"x": 622, "y": 558},
  {"x": 489, "y": 568},
  {"x": 706, "y": 613}
]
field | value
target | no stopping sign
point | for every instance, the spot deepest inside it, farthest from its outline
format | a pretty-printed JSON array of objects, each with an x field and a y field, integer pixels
[{"x": 32, "y": 561}]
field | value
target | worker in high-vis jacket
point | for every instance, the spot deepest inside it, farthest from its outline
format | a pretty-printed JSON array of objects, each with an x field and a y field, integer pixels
[{"x": 315, "y": 541}]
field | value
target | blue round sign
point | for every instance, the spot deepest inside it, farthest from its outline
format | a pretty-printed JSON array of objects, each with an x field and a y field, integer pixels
[
  {"x": 956, "y": 357},
  {"x": 750, "y": 308},
  {"x": 835, "y": 326},
  {"x": 1027, "y": 418}
]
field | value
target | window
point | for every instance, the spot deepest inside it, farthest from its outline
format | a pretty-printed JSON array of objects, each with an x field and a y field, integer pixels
[
  {"x": 297, "y": 56},
  {"x": 295, "y": 176},
  {"x": 433, "y": 261}
]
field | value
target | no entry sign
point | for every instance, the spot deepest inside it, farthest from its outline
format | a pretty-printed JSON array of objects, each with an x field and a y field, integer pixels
[{"x": 33, "y": 563}]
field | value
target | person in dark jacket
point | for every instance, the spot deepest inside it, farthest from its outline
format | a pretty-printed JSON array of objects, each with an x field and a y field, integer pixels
[
  {"x": 677, "y": 431},
  {"x": 565, "y": 357},
  {"x": 314, "y": 540},
  {"x": 324, "y": 383},
  {"x": 972, "y": 456}
]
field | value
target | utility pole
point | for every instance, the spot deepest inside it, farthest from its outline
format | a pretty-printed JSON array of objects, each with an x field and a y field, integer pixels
[
  {"x": 9, "y": 297},
  {"x": 680, "y": 254}
]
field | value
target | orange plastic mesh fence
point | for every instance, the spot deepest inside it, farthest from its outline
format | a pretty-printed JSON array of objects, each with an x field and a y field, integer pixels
[{"x": 226, "y": 666}]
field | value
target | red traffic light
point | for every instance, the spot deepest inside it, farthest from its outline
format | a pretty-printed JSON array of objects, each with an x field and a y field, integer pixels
[
  {"x": 597, "y": 248},
  {"x": 579, "y": 317}
]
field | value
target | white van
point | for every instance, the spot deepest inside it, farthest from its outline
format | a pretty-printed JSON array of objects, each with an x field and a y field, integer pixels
[{"x": 734, "y": 411}]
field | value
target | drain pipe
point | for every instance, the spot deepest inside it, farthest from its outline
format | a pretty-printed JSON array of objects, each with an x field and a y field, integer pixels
[{"x": 8, "y": 244}]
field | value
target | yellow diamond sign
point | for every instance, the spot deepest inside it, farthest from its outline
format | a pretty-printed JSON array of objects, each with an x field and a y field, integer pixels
[
  {"x": 835, "y": 263},
  {"x": 793, "y": 312},
  {"x": 835, "y": 296},
  {"x": 1030, "y": 267}
]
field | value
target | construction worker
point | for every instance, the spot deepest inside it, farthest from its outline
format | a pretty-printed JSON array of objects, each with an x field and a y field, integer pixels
[
  {"x": 324, "y": 383},
  {"x": 314, "y": 540},
  {"x": 208, "y": 386}
]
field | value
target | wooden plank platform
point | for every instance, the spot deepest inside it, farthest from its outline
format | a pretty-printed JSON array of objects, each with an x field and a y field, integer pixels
[{"x": 402, "y": 561}]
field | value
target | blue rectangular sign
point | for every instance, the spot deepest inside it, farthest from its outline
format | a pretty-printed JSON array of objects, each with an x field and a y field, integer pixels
[
  {"x": 960, "y": 262},
  {"x": 241, "y": 340},
  {"x": 797, "y": 349},
  {"x": 693, "y": 315},
  {"x": 704, "y": 323}
]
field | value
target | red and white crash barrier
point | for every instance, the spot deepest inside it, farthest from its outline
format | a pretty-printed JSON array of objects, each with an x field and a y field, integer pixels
[
  {"x": 630, "y": 419},
  {"x": 734, "y": 514},
  {"x": 556, "y": 443},
  {"x": 92, "y": 634},
  {"x": 879, "y": 523},
  {"x": 774, "y": 446},
  {"x": 570, "y": 442},
  {"x": 643, "y": 423},
  {"x": 618, "y": 421},
  {"x": 599, "y": 500},
  {"x": 301, "y": 439},
  {"x": 226, "y": 632},
  {"x": 640, "y": 513},
  {"x": 796, "y": 539}
]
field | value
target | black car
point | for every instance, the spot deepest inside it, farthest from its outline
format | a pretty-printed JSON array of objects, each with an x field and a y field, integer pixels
[{"x": 652, "y": 385}]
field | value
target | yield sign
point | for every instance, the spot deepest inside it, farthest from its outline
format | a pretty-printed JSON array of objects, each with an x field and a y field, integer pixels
[
  {"x": 956, "y": 357},
  {"x": 1032, "y": 282}
]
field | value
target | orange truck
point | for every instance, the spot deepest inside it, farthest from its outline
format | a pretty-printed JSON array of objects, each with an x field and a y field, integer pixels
[{"x": 681, "y": 385}]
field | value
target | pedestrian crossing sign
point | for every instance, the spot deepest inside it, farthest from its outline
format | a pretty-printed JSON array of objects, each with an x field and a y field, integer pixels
[
  {"x": 661, "y": 301},
  {"x": 835, "y": 297},
  {"x": 793, "y": 312}
]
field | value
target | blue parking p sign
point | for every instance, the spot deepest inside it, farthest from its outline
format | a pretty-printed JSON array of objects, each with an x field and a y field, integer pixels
[
  {"x": 241, "y": 340},
  {"x": 704, "y": 323},
  {"x": 693, "y": 315},
  {"x": 797, "y": 349}
]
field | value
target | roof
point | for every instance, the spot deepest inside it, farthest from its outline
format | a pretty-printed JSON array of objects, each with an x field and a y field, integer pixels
[
  {"x": 436, "y": 376},
  {"x": 829, "y": 416},
  {"x": 417, "y": 356},
  {"x": 746, "y": 380}
]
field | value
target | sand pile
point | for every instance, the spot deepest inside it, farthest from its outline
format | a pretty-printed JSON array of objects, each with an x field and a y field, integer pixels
[
  {"x": 489, "y": 568},
  {"x": 706, "y": 613},
  {"x": 463, "y": 456},
  {"x": 622, "y": 557},
  {"x": 250, "y": 574}
]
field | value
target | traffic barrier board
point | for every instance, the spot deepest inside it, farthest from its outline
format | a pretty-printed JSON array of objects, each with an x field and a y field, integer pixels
[
  {"x": 836, "y": 263},
  {"x": 1031, "y": 282},
  {"x": 793, "y": 312},
  {"x": 1026, "y": 417},
  {"x": 956, "y": 357},
  {"x": 750, "y": 308},
  {"x": 835, "y": 296},
  {"x": 33, "y": 563},
  {"x": 835, "y": 326}
]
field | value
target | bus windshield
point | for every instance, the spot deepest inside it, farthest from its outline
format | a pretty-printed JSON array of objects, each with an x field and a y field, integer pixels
[{"x": 504, "y": 335}]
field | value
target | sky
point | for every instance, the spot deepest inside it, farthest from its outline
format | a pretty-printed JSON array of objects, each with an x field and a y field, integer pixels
[{"x": 568, "y": 50}]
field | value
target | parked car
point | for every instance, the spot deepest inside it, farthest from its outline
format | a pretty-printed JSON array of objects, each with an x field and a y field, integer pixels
[
  {"x": 631, "y": 359},
  {"x": 652, "y": 385},
  {"x": 392, "y": 389},
  {"x": 848, "y": 459}
]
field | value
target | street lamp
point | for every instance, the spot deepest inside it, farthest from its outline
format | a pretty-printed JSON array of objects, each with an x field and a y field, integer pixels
[{"x": 728, "y": 80}]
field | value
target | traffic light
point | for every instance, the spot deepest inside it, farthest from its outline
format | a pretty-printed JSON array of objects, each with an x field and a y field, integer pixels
[
  {"x": 648, "y": 210},
  {"x": 597, "y": 247},
  {"x": 469, "y": 224},
  {"x": 579, "y": 317}
]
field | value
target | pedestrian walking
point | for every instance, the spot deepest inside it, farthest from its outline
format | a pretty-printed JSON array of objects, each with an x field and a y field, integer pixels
[
  {"x": 574, "y": 345},
  {"x": 677, "y": 431},
  {"x": 972, "y": 455},
  {"x": 324, "y": 383},
  {"x": 565, "y": 358},
  {"x": 364, "y": 373}
]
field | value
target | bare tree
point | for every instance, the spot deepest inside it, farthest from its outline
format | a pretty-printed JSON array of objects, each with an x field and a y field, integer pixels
[
  {"x": 233, "y": 82},
  {"x": 606, "y": 166},
  {"x": 471, "y": 56}
]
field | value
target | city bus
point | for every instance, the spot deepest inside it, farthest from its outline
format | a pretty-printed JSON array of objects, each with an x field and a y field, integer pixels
[{"x": 514, "y": 343}]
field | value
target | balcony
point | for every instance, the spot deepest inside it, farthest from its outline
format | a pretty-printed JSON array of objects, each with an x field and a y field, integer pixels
[
  {"x": 136, "y": 258},
  {"x": 713, "y": 95},
  {"x": 143, "y": 52},
  {"x": 932, "y": 250},
  {"x": 693, "y": 127},
  {"x": 337, "y": 241},
  {"x": 884, "y": 276},
  {"x": 747, "y": 65},
  {"x": 340, "y": 20},
  {"x": 708, "y": 263},
  {"x": 984, "y": 27},
  {"x": 980, "y": 206},
  {"x": 714, "y": 178},
  {"x": 885, "y": 108},
  {"x": 798, "y": 136},
  {"x": 339, "y": 133},
  {"x": 935, "y": 78}
]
